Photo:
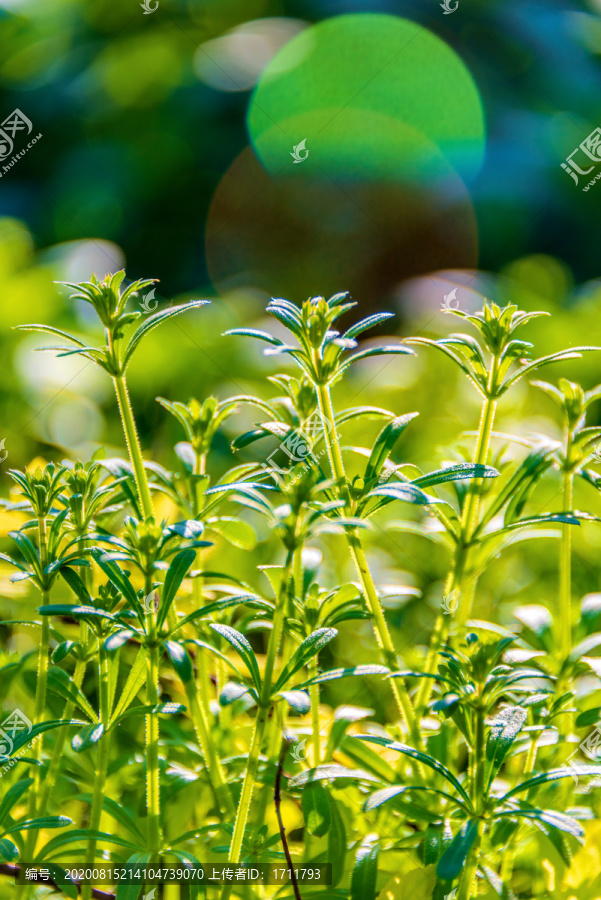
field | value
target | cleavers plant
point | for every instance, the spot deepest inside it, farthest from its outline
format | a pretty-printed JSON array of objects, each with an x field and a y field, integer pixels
[{"x": 456, "y": 783}]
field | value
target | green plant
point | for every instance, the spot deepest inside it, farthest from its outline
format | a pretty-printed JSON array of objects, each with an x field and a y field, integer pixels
[{"x": 206, "y": 604}]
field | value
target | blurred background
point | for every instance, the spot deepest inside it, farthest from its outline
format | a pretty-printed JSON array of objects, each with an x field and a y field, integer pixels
[{"x": 242, "y": 149}]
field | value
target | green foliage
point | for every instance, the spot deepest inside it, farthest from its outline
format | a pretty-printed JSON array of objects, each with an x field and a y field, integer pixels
[{"x": 181, "y": 675}]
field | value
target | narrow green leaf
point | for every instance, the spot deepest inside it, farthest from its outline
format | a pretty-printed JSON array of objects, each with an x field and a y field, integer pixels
[
  {"x": 408, "y": 493},
  {"x": 460, "y": 472},
  {"x": 384, "y": 445},
  {"x": 365, "y": 872},
  {"x": 309, "y": 648},
  {"x": 315, "y": 805},
  {"x": 546, "y": 777},
  {"x": 330, "y": 773},
  {"x": 42, "y": 822},
  {"x": 335, "y": 674},
  {"x": 77, "y": 586},
  {"x": 453, "y": 859},
  {"x": 180, "y": 660},
  {"x": 62, "y": 684},
  {"x": 420, "y": 757},
  {"x": 245, "y": 651},
  {"x": 157, "y": 319},
  {"x": 118, "y": 578},
  {"x": 299, "y": 701},
  {"x": 87, "y": 737},
  {"x": 12, "y": 796},
  {"x": 337, "y": 844},
  {"x": 506, "y": 726},
  {"x": 176, "y": 573},
  {"x": 8, "y": 852},
  {"x": 255, "y": 333},
  {"x": 135, "y": 680}
]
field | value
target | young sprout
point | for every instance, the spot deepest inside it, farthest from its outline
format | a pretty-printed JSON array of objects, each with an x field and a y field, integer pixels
[
  {"x": 114, "y": 356},
  {"x": 323, "y": 355},
  {"x": 493, "y": 365},
  {"x": 579, "y": 444}
]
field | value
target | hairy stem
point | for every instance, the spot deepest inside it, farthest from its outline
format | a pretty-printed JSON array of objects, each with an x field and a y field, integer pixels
[
  {"x": 133, "y": 445},
  {"x": 153, "y": 795},
  {"x": 565, "y": 574},
  {"x": 260, "y": 721},
  {"x": 467, "y": 887},
  {"x": 35, "y": 797},
  {"x": 208, "y": 746},
  {"x": 457, "y": 583},
  {"x": 57, "y": 753},
  {"x": 277, "y": 799},
  {"x": 389, "y": 656},
  {"x": 314, "y": 694},
  {"x": 474, "y": 492},
  {"x": 468, "y": 877},
  {"x": 101, "y": 762}
]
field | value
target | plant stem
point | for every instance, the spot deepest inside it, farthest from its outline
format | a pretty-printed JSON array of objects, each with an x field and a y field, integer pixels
[
  {"x": 510, "y": 848},
  {"x": 565, "y": 574},
  {"x": 456, "y": 579},
  {"x": 102, "y": 760},
  {"x": 153, "y": 796},
  {"x": 40, "y": 698},
  {"x": 57, "y": 753},
  {"x": 470, "y": 870},
  {"x": 399, "y": 689},
  {"x": 260, "y": 722},
  {"x": 276, "y": 723},
  {"x": 474, "y": 492},
  {"x": 217, "y": 778},
  {"x": 563, "y": 639},
  {"x": 479, "y": 761},
  {"x": 78, "y": 677},
  {"x": 478, "y": 791},
  {"x": 277, "y": 799},
  {"x": 198, "y": 692},
  {"x": 40, "y": 704},
  {"x": 133, "y": 445},
  {"x": 478, "y": 797},
  {"x": 314, "y": 694},
  {"x": 204, "y": 693}
]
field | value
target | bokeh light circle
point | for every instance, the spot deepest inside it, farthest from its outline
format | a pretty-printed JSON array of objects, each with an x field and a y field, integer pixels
[
  {"x": 368, "y": 92},
  {"x": 297, "y": 237}
]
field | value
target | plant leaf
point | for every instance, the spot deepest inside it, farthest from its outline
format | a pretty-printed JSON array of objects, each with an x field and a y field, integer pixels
[
  {"x": 315, "y": 805},
  {"x": 453, "y": 859}
]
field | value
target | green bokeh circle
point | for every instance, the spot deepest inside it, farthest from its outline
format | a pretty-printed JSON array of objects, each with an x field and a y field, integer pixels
[{"x": 375, "y": 96}]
